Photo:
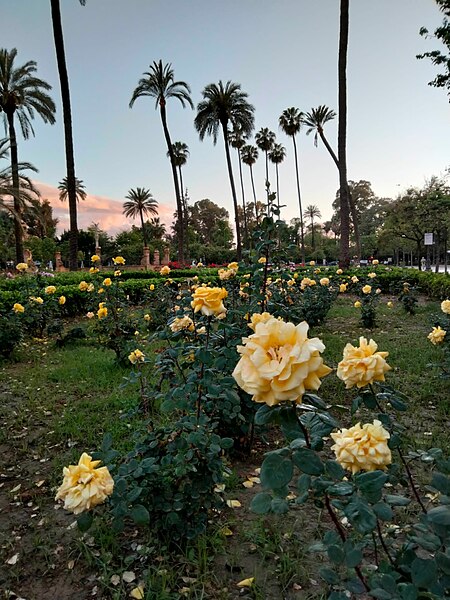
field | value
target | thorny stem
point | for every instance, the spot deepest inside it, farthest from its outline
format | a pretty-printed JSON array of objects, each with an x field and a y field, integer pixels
[
  {"x": 304, "y": 431},
  {"x": 202, "y": 370},
  {"x": 343, "y": 537},
  {"x": 383, "y": 543},
  {"x": 175, "y": 360},
  {"x": 375, "y": 550}
]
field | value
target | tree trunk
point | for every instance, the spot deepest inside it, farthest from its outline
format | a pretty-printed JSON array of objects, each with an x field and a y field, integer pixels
[
  {"x": 344, "y": 255},
  {"x": 267, "y": 182},
  {"x": 302, "y": 232},
  {"x": 233, "y": 192},
  {"x": 312, "y": 235},
  {"x": 243, "y": 199},
  {"x": 144, "y": 234},
  {"x": 18, "y": 231},
  {"x": 68, "y": 137},
  {"x": 437, "y": 252},
  {"x": 254, "y": 194},
  {"x": 162, "y": 106},
  {"x": 278, "y": 190},
  {"x": 185, "y": 215}
]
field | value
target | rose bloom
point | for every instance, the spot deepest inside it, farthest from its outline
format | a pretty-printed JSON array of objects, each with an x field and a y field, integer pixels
[
  {"x": 21, "y": 267},
  {"x": 366, "y": 289},
  {"x": 119, "y": 260},
  {"x": 355, "y": 279},
  {"x": 234, "y": 266},
  {"x": 437, "y": 335},
  {"x": 95, "y": 258},
  {"x": 339, "y": 272},
  {"x": 62, "y": 300},
  {"x": 372, "y": 275},
  {"x": 83, "y": 286},
  {"x": 102, "y": 312},
  {"x": 201, "y": 330},
  {"x": 363, "y": 365},
  {"x": 306, "y": 282},
  {"x": 291, "y": 282},
  {"x": 357, "y": 304},
  {"x": 279, "y": 363},
  {"x": 342, "y": 288},
  {"x": 117, "y": 273},
  {"x": 147, "y": 317},
  {"x": 225, "y": 274},
  {"x": 37, "y": 299},
  {"x": 93, "y": 270},
  {"x": 18, "y": 308},
  {"x": 375, "y": 262},
  {"x": 445, "y": 307},
  {"x": 90, "y": 287},
  {"x": 107, "y": 281},
  {"x": 208, "y": 300},
  {"x": 50, "y": 289},
  {"x": 259, "y": 318},
  {"x": 390, "y": 304},
  {"x": 324, "y": 281},
  {"x": 85, "y": 486},
  {"x": 136, "y": 356},
  {"x": 152, "y": 287},
  {"x": 182, "y": 323},
  {"x": 165, "y": 270},
  {"x": 101, "y": 304},
  {"x": 262, "y": 260},
  {"x": 312, "y": 263},
  {"x": 100, "y": 291},
  {"x": 362, "y": 448},
  {"x": 90, "y": 315},
  {"x": 199, "y": 264}
]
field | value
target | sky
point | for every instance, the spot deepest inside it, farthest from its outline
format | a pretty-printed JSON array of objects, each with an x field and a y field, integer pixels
[{"x": 282, "y": 52}]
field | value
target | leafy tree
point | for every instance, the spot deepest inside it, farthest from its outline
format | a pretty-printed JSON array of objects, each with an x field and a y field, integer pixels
[
  {"x": 22, "y": 95},
  {"x": 39, "y": 219},
  {"x": 437, "y": 57},
  {"x": 290, "y": 123},
  {"x": 277, "y": 155},
  {"x": 249, "y": 155},
  {"x": 211, "y": 224},
  {"x": 159, "y": 83},
  {"x": 140, "y": 202},
  {"x": 221, "y": 105},
  {"x": 312, "y": 212},
  {"x": 237, "y": 141},
  {"x": 181, "y": 154}
]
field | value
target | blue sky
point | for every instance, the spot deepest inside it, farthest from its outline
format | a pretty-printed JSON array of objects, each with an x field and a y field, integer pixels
[{"x": 282, "y": 52}]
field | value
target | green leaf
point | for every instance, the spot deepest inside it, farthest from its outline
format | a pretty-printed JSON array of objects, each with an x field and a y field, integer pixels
[
  {"x": 441, "y": 483},
  {"x": 226, "y": 443},
  {"x": 383, "y": 511},
  {"x": 261, "y": 503},
  {"x": 266, "y": 414},
  {"x": 381, "y": 594},
  {"x": 443, "y": 561},
  {"x": 398, "y": 404},
  {"x": 439, "y": 516},
  {"x": 342, "y": 488},
  {"x": 408, "y": 591},
  {"x": 140, "y": 515},
  {"x": 397, "y": 500},
  {"x": 361, "y": 516},
  {"x": 423, "y": 572},
  {"x": 371, "y": 484},
  {"x": 336, "y": 554},
  {"x": 315, "y": 401},
  {"x": 279, "y": 506},
  {"x": 107, "y": 442},
  {"x": 84, "y": 521},
  {"x": 308, "y": 461},
  {"x": 334, "y": 469},
  {"x": 276, "y": 471},
  {"x": 134, "y": 494},
  {"x": 303, "y": 484},
  {"x": 329, "y": 576}
]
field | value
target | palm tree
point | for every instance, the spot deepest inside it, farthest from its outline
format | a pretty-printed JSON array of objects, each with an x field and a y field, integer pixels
[
  {"x": 316, "y": 120},
  {"x": 181, "y": 153},
  {"x": 64, "y": 193},
  {"x": 290, "y": 122},
  {"x": 159, "y": 83},
  {"x": 277, "y": 155},
  {"x": 265, "y": 140},
  {"x": 223, "y": 104},
  {"x": 140, "y": 202},
  {"x": 312, "y": 211},
  {"x": 94, "y": 229},
  {"x": 237, "y": 141},
  {"x": 22, "y": 94},
  {"x": 249, "y": 155},
  {"x": 68, "y": 137},
  {"x": 344, "y": 255}
]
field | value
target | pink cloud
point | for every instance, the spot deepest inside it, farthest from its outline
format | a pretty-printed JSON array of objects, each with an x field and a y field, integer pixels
[{"x": 98, "y": 209}]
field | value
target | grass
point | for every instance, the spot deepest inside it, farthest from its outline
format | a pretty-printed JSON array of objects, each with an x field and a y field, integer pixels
[{"x": 58, "y": 403}]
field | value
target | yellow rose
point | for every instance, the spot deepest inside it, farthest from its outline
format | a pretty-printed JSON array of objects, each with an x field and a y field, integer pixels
[
  {"x": 102, "y": 313},
  {"x": 50, "y": 289},
  {"x": 305, "y": 282},
  {"x": 225, "y": 274},
  {"x": 355, "y": 279},
  {"x": 119, "y": 260},
  {"x": 107, "y": 282},
  {"x": 357, "y": 304},
  {"x": 18, "y": 308},
  {"x": 291, "y": 282},
  {"x": 295, "y": 275},
  {"x": 375, "y": 262},
  {"x": 339, "y": 272},
  {"x": 152, "y": 287},
  {"x": 90, "y": 287},
  {"x": 182, "y": 323},
  {"x": 93, "y": 270},
  {"x": 362, "y": 448},
  {"x": 234, "y": 266},
  {"x": 117, "y": 273},
  {"x": 83, "y": 286},
  {"x": 62, "y": 300},
  {"x": 390, "y": 304},
  {"x": 199, "y": 264},
  {"x": 437, "y": 335},
  {"x": 316, "y": 271},
  {"x": 136, "y": 356},
  {"x": 366, "y": 289},
  {"x": 342, "y": 288},
  {"x": 279, "y": 363},
  {"x": 85, "y": 486},
  {"x": 22, "y": 267},
  {"x": 363, "y": 365},
  {"x": 100, "y": 291},
  {"x": 37, "y": 299},
  {"x": 165, "y": 270},
  {"x": 101, "y": 304},
  {"x": 324, "y": 281},
  {"x": 445, "y": 307},
  {"x": 312, "y": 263},
  {"x": 372, "y": 275},
  {"x": 262, "y": 260},
  {"x": 208, "y": 300},
  {"x": 147, "y": 317},
  {"x": 259, "y": 318},
  {"x": 95, "y": 258}
]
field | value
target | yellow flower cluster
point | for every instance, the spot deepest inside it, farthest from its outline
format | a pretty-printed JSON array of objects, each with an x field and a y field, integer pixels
[
  {"x": 372, "y": 275},
  {"x": 94, "y": 270},
  {"x": 95, "y": 258},
  {"x": 362, "y": 448},
  {"x": 22, "y": 267},
  {"x": 437, "y": 335},
  {"x": 36, "y": 299},
  {"x": 225, "y": 274},
  {"x": 165, "y": 270},
  {"x": 209, "y": 301},
  {"x": 119, "y": 260},
  {"x": 445, "y": 307},
  {"x": 259, "y": 318},
  {"x": 83, "y": 286},
  {"x": 307, "y": 282},
  {"x": 182, "y": 324},
  {"x": 18, "y": 308},
  {"x": 84, "y": 485},
  {"x": 50, "y": 289},
  {"x": 136, "y": 356},
  {"x": 362, "y": 366},
  {"x": 233, "y": 265},
  {"x": 102, "y": 312},
  {"x": 279, "y": 363}
]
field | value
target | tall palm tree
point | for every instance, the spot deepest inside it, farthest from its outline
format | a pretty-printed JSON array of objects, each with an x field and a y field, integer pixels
[
  {"x": 64, "y": 192},
  {"x": 290, "y": 122},
  {"x": 22, "y": 95},
  {"x": 344, "y": 254},
  {"x": 140, "y": 202},
  {"x": 312, "y": 212},
  {"x": 265, "y": 140},
  {"x": 181, "y": 154},
  {"x": 159, "y": 83},
  {"x": 68, "y": 136},
  {"x": 221, "y": 105},
  {"x": 95, "y": 230},
  {"x": 237, "y": 141},
  {"x": 249, "y": 155},
  {"x": 316, "y": 120},
  {"x": 277, "y": 155}
]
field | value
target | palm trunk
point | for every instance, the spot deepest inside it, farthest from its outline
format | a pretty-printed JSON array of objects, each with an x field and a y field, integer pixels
[
  {"x": 233, "y": 192},
  {"x": 312, "y": 235},
  {"x": 185, "y": 214},
  {"x": 267, "y": 181},
  {"x": 302, "y": 232},
  {"x": 243, "y": 199},
  {"x": 254, "y": 194},
  {"x": 278, "y": 190},
  {"x": 162, "y": 105},
  {"x": 144, "y": 234},
  {"x": 18, "y": 232},
  {"x": 68, "y": 138},
  {"x": 344, "y": 255}
]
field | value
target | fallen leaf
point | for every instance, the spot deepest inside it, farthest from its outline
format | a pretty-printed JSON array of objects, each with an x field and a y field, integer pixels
[
  {"x": 70, "y": 564},
  {"x": 128, "y": 576},
  {"x": 226, "y": 531},
  {"x": 16, "y": 489},
  {"x": 255, "y": 479},
  {"x": 233, "y": 503},
  {"x": 12, "y": 560},
  {"x": 247, "y": 484},
  {"x": 137, "y": 592},
  {"x": 219, "y": 488},
  {"x": 246, "y": 582},
  {"x": 40, "y": 483}
]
